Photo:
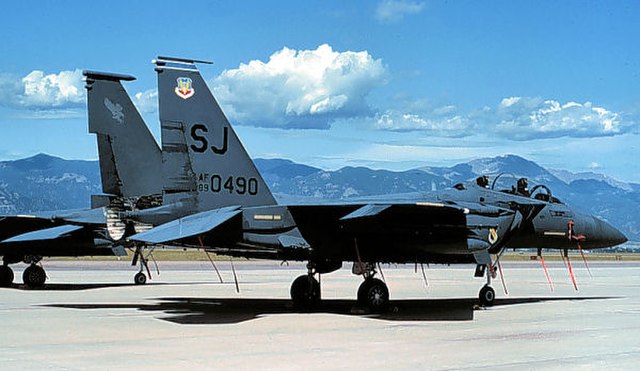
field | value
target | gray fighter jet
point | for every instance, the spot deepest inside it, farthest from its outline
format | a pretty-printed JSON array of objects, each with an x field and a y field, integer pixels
[
  {"x": 119, "y": 127},
  {"x": 213, "y": 197}
]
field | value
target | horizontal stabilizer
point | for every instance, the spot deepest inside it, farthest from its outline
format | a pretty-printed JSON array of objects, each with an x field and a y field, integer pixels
[
  {"x": 188, "y": 226},
  {"x": 86, "y": 216},
  {"x": 44, "y": 234},
  {"x": 366, "y": 211},
  {"x": 90, "y": 216}
]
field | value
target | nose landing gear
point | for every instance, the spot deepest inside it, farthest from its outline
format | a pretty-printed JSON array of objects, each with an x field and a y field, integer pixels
[
  {"x": 140, "y": 278},
  {"x": 487, "y": 294}
]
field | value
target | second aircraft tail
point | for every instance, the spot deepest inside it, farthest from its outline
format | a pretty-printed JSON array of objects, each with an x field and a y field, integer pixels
[{"x": 130, "y": 159}]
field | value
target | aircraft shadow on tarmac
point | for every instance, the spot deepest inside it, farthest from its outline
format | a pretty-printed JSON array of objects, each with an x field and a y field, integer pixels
[
  {"x": 91, "y": 286},
  {"x": 203, "y": 311}
]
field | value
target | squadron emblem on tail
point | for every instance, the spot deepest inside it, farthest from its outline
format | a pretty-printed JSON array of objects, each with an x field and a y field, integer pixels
[{"x": 184, "y": 89}]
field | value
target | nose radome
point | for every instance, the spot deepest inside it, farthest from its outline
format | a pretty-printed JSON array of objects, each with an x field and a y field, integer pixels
[{"x": 608, "y": 234}]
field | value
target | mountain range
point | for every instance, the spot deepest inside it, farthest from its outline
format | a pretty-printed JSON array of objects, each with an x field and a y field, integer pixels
[{"x": 43, "y": 182}]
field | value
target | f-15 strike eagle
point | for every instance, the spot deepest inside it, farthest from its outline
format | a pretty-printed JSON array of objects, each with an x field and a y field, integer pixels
[
  {"x": 119, "y": 128},
  {"x": 213, "y": 197}
]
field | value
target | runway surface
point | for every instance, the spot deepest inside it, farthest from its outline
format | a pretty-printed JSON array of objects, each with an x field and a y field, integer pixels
[{"x": 90, "y": 316}]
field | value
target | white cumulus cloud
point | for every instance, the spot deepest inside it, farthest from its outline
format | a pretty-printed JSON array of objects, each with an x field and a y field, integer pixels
[
  {"x": 300, "y": 88},
  {"x": 146, "y": 101},
  {"x": 514, "y": 118},
  {"x": 522, "y": 118},
  {"x": 40, "y": 91},
  {"x": 389, "y": 11},
  {"x": 442, "y": 121},
  {"x": 595, "y": 166}
]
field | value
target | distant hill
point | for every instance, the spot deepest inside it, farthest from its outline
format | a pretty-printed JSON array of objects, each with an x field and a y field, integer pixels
[{"x": 44, "y": 182}]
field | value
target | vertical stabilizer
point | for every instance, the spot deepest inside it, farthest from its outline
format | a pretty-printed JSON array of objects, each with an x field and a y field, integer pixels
[
  {"x": 202, "y": 154},
  {"x": 130, "y": 159}
]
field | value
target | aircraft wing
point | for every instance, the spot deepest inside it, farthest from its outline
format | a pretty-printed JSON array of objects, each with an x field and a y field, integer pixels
[
  {"x": 22, "y": 226},
  {"x": 375, "y": 210},
  {"x": 44, "y": 234},
  {"x": 188, "y": 226},
  {"x": 366, "y": 211},
  {"x": 458, "y": 228}
]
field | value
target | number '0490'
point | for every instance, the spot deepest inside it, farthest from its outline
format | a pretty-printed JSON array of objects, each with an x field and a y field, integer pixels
[{"x": 239, "y": 185}]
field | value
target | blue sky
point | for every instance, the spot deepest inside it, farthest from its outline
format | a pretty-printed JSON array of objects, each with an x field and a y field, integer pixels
[{"x": 386, "y": 84}]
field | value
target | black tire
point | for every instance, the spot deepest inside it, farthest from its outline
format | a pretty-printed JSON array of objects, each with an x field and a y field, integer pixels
[
  {"x": 305, "y": 292},
  {"x": 487, "y": 296},
  {"x": 6, "y": 276},
  {"x": 140, "y": 278},
  {"x": 373, "y": 294},
  {"x": 34, "y": 276}
]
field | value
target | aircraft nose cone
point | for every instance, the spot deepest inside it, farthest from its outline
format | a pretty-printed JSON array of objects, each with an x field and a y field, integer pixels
[{"x": 608, "y": 235}]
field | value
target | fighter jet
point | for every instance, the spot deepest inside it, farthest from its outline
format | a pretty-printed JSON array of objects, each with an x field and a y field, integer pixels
[
  {"x": 119, "y": 127},
  {"x": 214, "y": 198}
]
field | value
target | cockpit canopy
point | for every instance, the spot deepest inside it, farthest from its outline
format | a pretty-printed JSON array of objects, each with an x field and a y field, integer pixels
[{"x": 508, "y": 183}]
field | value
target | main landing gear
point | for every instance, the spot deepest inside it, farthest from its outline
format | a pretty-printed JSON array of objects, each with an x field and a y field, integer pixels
[
  {"x": 373, "y": 293},
  {"x": 34, "y": 276},
  {"x": 6, "y": 275},
  {"x": 305, "y": 290},
  {"x": 487, "y": 294}
]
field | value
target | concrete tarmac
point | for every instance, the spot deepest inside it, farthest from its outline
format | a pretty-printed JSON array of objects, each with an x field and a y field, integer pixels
[{"x": 91, "y": 316}]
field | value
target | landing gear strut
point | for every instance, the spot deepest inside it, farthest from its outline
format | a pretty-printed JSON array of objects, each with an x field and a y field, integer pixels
[
  {"x": 140, "y": 278},
  {"x": 487, "y": 294},
  {"x": 6, "y": 276},
  {"x": 305, "y": 290}
]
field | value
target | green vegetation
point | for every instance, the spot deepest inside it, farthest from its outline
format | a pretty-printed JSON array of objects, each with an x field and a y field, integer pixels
[{"x": 200, "y": 255}]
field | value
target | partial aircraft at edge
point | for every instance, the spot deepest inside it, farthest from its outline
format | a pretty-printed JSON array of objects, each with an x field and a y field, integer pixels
[
  {"x": 118, "y": 127},
  {"x": 214, "y": 198}
]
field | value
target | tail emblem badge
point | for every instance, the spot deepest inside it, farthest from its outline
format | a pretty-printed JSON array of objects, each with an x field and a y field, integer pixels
[{"x": 184, "y": 89}]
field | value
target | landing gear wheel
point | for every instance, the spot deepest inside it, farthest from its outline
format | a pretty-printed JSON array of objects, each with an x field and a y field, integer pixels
[
  {"x": 305, "y": 292},
  {"x": 373, "y": 294},
  {"x": 34, "y": 276},
  {"x": 140, "y": 278},
  {"x": 6, "y": 276},
  {"x": 487, "y": 296}
]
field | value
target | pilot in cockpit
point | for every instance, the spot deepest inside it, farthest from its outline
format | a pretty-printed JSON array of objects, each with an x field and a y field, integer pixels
[
  {"x": 483, "y": 181},
  {"x": 523, "y": 187}
]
